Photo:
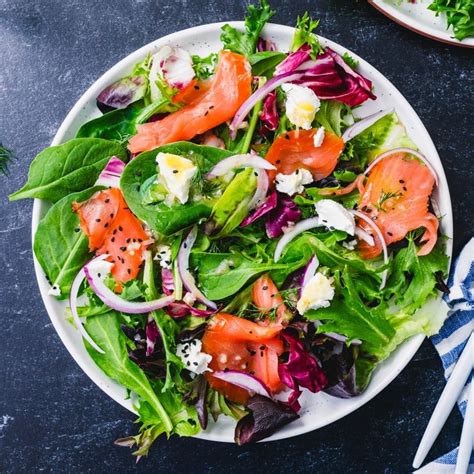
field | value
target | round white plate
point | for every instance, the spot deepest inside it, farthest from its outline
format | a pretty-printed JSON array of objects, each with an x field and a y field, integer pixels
[
  {"x": 417, "y": 17},
  {"x": 317, "y": 410}
]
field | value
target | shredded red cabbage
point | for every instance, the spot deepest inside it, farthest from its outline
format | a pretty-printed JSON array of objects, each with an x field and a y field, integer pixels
[{"x": 269, "y": 204}]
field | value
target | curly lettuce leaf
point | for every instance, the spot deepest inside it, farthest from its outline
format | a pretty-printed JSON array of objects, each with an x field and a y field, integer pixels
[{"x": 246, "y": 42}]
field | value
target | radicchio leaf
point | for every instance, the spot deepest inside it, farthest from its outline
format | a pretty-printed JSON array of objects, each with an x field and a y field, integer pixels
[
  {"x": 284, "y": 215},
  {"x": 266, "y": 416},
  {"x": 269, "y": 116},
  {"x": 153, "y": 364},
  {"x": 330, "y": 77},
  {"x": 265, "y": 45},
  {"x": 301, "y": 370},
  {"x": 123, "y": 92},
  {"x": 269, "y": 204}
]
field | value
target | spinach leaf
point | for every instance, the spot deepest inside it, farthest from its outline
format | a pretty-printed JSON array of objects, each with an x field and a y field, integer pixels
[
  {"x": 116, "y": 125},
  {"x": 221, "y": 275},
  {"x": 264, "y": 62},
  {"x": 106, "y": 332},
  {"x": 59, "y": 245},
  {"x": 120, "y": 124},
  {"x": 162, "y": 218},
  {"x": 64, "y": 169},
  {"x": 246, "y": 42}
]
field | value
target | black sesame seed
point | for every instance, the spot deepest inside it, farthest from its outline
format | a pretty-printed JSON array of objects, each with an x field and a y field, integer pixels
[
  {"x": 120, "y": 228},
  {"x": 98, "y": 274},
  {"x": 128, "y": 240},
  {"x": 123, "y": 249},
  {"x": 287, "y": 136},
  {"x": 140, "y": 240},
  {"x": 188, "y": 363},
  {"x": 262, "y": 348},
  {"x": 175, "y": 171},
  {"x": 390, "y": 234},
  {"x": 107, "y": 200},
  {"x": 77, "y": 229},
  {"x": 98, "y": 219},
  {"x": 278, "y": 162},
  {"x": 297, "y": 172},
  {"x": 195, "y": 363},
  {"x": 211, "y": 106},
  {"x": 185, "y": 245},
  {"x": 129, "y": 271},
  {"x": 405, "y": 188},
  {"x": 207, "y": 111},
  {"x": 106, "y": 224},
  {"x": 401, "y": 181},
  {"x": 196, "y": 87},
  {"x": 114, "y": 231},
  {"x": 264, "y": 288}
]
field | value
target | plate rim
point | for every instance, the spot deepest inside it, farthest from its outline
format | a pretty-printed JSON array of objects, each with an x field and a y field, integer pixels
[
  {"x": 410, "y": 346},
  {"x": 385, "y": 10}
]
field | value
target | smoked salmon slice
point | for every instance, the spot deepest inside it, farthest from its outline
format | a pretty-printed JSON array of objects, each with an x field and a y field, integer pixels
[
  {"x": 295, "y": 149},
  {"x": 239, "y": 344},
  {"x": 396, "y": 196},
  {"x": 230, "y": 88},
  {"x": 112, "y": 229}
]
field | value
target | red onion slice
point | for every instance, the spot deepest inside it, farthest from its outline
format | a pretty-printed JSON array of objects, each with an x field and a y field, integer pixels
[
  {"x": 310, "y": 270},
  {"x": 258, "y": 95},
  {"x": 298, "y": 229},
  {"x": 403, "y": 150},
  {"x": 362, "y": 125},
  {"x": 374, "y": 226},
  {"x": 262, "y": 189},
  {"x": 113, "y": 300},
  {"x": 183, "y": 268},
  {"x": 239, "y": 161},
  {"x": 245, "y": 381},
  {"x": 110, "y": 175},
  {"x": 364, "y": 235},
  {"x": 76, "y": 284}
]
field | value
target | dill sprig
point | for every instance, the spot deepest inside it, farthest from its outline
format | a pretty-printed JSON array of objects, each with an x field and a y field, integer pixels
[
  {"x": 6, "y": 156},
  {"x": 384, "y": 197}
]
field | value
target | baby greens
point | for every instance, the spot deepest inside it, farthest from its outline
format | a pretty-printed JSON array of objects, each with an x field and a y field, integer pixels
[{"x": 63, "y": 169}]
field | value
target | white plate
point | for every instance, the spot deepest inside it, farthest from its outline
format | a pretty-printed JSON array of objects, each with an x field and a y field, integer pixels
[
  {"x": 417, "y": 17},
  {"x": 317, "y": 410}
]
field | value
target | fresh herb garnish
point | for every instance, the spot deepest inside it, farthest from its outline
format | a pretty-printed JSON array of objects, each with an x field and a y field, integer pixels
[
  {"x": 384, "y": 197},
  {"x": 6, "y": 156},
  {"x": 460, "y": 15}
]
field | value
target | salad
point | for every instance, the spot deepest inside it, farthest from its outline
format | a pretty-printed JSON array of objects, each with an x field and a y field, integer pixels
[
  {"x": 459, "y": 15},
  {"x": 227, "y": 234}
]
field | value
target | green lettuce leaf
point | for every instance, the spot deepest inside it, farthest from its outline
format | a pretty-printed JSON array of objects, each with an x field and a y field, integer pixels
[{"x": 246, "y": 42}]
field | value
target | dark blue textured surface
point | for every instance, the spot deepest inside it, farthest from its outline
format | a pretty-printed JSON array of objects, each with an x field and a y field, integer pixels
[{"x": 52, "y": 417}]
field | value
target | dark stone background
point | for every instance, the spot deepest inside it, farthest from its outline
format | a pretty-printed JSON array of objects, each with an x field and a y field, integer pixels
[{"x": 52, "y": 417}]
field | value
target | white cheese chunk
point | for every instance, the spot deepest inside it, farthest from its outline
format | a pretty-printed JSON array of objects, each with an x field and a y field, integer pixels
[
  {"x": 317, "y": 293},
  {"x": 176, "y": 173},
  {"x": 293, "y": 183},
  {"x": 192, "y": 357},
  {"x": 335, "y": 216},
  {"x": 301, "y": 105},
  {"x": 163, "y": 255}
]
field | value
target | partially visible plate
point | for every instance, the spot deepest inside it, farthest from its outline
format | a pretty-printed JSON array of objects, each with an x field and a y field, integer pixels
[
  {"x": 417, "y": 17},
  {"x": 317, "y": 410}
]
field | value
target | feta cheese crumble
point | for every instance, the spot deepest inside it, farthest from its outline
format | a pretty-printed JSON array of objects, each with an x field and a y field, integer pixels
[
  {"x": 176, "y": 173},
  {"x": 163, "y": 255},
  {"x": 335, "y": 216},
  {"x": 319, "y": 137},
  {"x": 193, "y": 359},
  {"x": 317, "y": 293},
  {"x": 301, "y": 105},
  {"x": 293, "y": 183}
]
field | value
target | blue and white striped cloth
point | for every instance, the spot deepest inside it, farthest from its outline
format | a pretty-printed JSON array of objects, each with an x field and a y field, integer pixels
[{"x": 452, "y": 338}]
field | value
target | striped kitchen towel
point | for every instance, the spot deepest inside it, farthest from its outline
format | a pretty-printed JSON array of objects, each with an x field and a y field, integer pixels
[{"x": 452, "y": 338}]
